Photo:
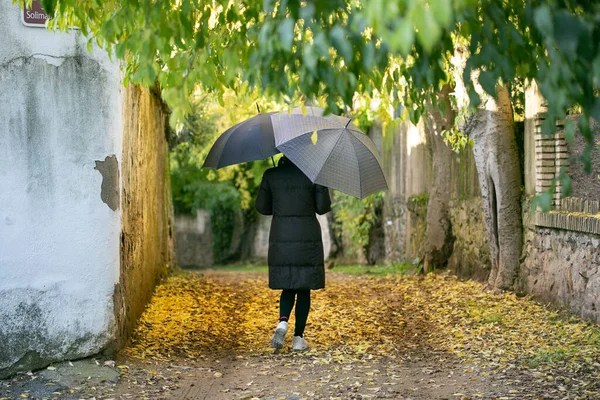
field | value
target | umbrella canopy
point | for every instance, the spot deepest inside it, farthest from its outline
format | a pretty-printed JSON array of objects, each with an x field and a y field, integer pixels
[
  {"x": 340, "y": 156},
  {"x": 249, "y": 140}
]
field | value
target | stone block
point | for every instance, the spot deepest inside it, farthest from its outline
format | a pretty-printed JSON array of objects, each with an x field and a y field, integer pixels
[
  {"x": 577, "y": 223},
  {"x": 546, "y": 170},
  {"x": 544, "y": 163},
  {"x": 540, "y": 137},
  {"x": 544, "y": 176},
  {"x": 544, "y": 149}
]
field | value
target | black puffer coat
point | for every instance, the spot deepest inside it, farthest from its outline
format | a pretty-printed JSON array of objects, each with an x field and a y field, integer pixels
[{"x": 295, "y": 244}]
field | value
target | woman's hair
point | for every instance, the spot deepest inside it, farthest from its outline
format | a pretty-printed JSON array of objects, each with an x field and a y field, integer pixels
[{"x": 284, "y": 160}]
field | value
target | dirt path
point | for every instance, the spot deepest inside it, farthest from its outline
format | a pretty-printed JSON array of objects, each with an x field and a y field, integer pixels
[
  {"x": 205, "y": 336},
  {"x": 288, "y": 376},
  {"x": 348, "y": 359}
]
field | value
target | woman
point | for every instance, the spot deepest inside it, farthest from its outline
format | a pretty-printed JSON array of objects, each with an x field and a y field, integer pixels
[{"x": 296, "y": 263}]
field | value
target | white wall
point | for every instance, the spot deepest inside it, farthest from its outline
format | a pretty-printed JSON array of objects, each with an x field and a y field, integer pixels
[{"x": 60, "y": 111}]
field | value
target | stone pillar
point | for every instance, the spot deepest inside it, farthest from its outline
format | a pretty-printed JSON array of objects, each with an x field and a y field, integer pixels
[
  {"x": 551, "y": 155},
  {"x": 534, "y": 104}
]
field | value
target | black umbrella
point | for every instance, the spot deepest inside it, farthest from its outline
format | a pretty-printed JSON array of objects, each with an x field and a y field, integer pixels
[
  {"x": 331, "y": 151},
  {"x": 249, "y": 140}
]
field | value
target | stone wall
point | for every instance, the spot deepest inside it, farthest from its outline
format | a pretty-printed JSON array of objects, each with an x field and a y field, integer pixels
[
  {"x": 561, "y": 254},
  {"x": 561, "y": 266},
  {"x": 147, "y": 237},
  {"x": 407, "y": 165},
  {"x": 60, "y": 213},
  {"x": 471, "y": 254},
  {"x": 194, "y": 240},
  {"x": 585, "y": 185}
]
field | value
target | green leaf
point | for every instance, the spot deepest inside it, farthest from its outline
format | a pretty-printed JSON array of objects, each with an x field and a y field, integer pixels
[
  {"x": 269, "y": 6},
  {"x": 566, "y": 182},
  {"x": 584, "y": 128},
  {"x": 488, "y": 81},
  {"x": 286, "y": 33},
  {"x": 428, "y": 30},
  {"x": 569, "y": 29},
  {"x": 49, "y": 6},
  {"x": 314, "y": 138},
  {"x": 322, "y": 45},
  {"x": 595, "y": 111},
  {"x": 403, "y": 38},
  {"x": 544, "y": 201},
  {"x": 596, "y": 70},
  {"x": 569, "y": 131},
  {"x": 474, "y": 99},
  {"x": 368, "y": 56},
  {"x": 586, "y": 157},
  {"x": 307, "y": 12},
  {"x": 120, "y": 49},
  {"x": 543, "y": 20},
  {"x": 310, "y": 58},
  {"x": 341, "y": 43},
  {"x": 265, "y": 33},
  {"x": 231, "y": 15},
  {"x": 442, "y": 11},
  {"x": 200, "y": 40}
]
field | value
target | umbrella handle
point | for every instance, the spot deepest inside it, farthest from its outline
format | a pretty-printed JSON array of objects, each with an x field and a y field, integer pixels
[{"x": 272, "y": 159}]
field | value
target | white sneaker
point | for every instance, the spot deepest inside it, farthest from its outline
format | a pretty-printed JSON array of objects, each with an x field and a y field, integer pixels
[
  {"x": 279, "y": 335},
  {"x": 299, "y": 343}
]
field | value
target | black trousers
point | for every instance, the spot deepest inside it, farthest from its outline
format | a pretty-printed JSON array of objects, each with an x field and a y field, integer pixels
[{"x": 286, "y": 303}]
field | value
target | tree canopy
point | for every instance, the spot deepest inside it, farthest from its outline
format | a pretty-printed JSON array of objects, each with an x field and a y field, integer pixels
[{"x": 398, "y": 50}]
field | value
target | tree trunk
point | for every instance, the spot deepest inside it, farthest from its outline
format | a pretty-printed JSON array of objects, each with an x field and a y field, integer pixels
[
  {"x": 497, "y": 160},
  {"x": 439, "y": 240}
]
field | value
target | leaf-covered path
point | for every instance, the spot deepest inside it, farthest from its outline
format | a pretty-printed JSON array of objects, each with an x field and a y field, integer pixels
[{"x": 205, "y": 336}]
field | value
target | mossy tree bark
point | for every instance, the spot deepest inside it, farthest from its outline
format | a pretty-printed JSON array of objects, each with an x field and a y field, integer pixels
[{"x": 497, "y": 160}]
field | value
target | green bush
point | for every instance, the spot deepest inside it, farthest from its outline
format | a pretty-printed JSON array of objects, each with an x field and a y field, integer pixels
[
  {"x": 356, "y": 217},
  {"x": 193, "y": 189}
]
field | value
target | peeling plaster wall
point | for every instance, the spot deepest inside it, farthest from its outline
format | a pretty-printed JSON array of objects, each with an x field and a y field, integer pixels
[{"x": 60, "y": 114}]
